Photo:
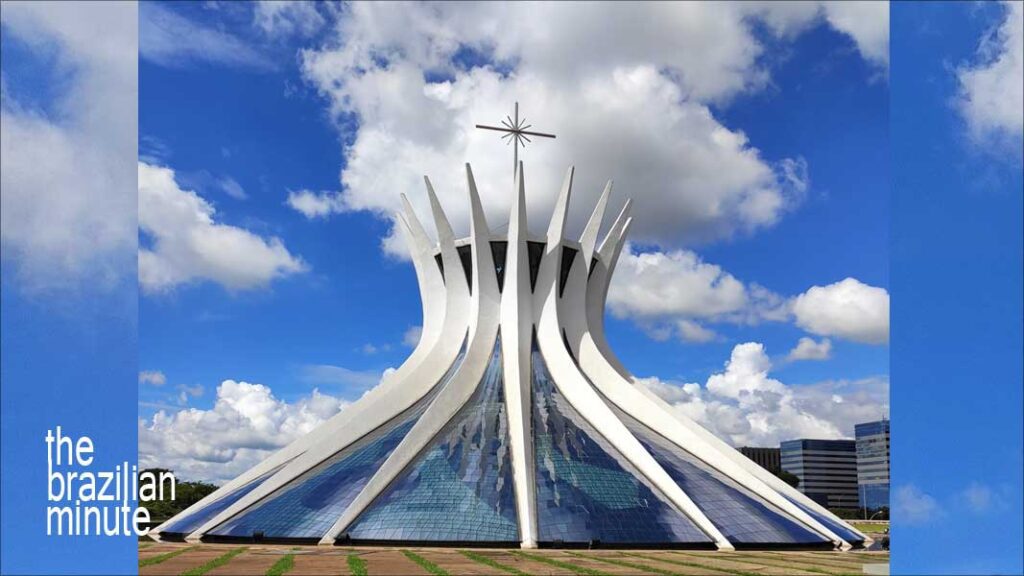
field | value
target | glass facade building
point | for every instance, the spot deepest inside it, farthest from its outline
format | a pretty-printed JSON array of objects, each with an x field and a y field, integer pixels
[
  {"x": 873, "y": 464},
  {"x": 827, "y": 470}
]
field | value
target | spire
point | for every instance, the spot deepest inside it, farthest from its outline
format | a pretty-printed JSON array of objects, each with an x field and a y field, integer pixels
[{"x": 589, "y": 238}]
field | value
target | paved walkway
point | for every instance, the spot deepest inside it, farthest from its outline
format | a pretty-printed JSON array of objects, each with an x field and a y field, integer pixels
[{"x": 220, "y": 559}]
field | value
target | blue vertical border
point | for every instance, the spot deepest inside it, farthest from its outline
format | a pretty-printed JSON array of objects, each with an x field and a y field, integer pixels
[
  {"x": 957, "y": 250},
  {"x": 68, "y": 358}
]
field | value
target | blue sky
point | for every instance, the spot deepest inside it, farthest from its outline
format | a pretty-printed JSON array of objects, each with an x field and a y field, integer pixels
[
  {"x": 957, "y": 316},
  {"x": 780, "y": 166},
  {"x": 272, "y": 125}
]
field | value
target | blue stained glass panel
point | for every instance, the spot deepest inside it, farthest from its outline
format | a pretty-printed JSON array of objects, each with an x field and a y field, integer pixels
[
  {"x": 309, "y": 505},
  {"x": 839, "y": 530},
  {"x": 586, "y": 491},
  {"x": 742, "y": 517},
  {"x": 190, "y": 523},
  {"x": 459, "y": 489}
]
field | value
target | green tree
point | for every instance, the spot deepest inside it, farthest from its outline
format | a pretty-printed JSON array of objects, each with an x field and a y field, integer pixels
[
  {"x": 787, "y": 477},
  {"x": 186, "y": 494}
]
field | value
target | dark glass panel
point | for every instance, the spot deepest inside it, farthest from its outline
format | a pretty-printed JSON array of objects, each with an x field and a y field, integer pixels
[
  {"x": 466, "y": 255},
  {"x": 535, "y": 251},
  {"x": 568, "y": 256},
  {"x": 499, "y": 249}
]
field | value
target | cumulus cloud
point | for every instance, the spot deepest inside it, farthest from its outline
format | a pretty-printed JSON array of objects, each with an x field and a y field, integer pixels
[
  {"x": 152, "y": 377},
  {"x": 677, "y": 293},
  {"x": 169, "y": 39},
  {"x": 847, "y": 309},
  {"x": 246, "y": 423},
  {"x": 809, "y": 349},
  {"x": 912, "y": 506},
  {"x": 188, "y": 245},
  {"x": 418, "y": 77},
  {"x": 867, "y": 23},
  {"x": 745, "y": 406},
  {"x": 992, "y": 89},
  {"x": 674, "y": 293},
  {"x": 656, "y": 284},
  {"x": 67, "y": 188},
  {"x": 315, "y": 204}
]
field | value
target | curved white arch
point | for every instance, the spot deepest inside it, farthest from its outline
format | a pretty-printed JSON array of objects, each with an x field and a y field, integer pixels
[
  {"x": 621, "y": 392},
  {"x": 574, "y": 386},
  {"x": 483, "y": 332},
  {"x": 393, "y": 395},
  {"x": 516, "y": 329}
]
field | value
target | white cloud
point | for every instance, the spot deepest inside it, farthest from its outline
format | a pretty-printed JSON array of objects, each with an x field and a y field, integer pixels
[
  {"x": 232, "y": 188},
  {"x": 981, "y": 498},
  {"x": 279, "y": 18},
  {"x": 676, "y": 293},
  {"x": 67, "y": 188},
  {"x": 246, "y": 423},
  {"x": 809, "y": 349},
  {"x": 185, "y": 392},
  {"x": 992, "y": 90},
  {"x": 691, "y": 331},
  {"x": 412, "y": 336},
  {"x": 677, "y": 283},
  {"x": 745, "y": 406},
  {"x": 152, "y": 377},
  {"x": 351, "y": 380},
  {"x": 169, "y": 39},
  {"x": 188, "y": 245},
  {"x": 847, "y": 309},
  {"x": 626, "y": 88},
  {"x": 912, "y": 506},
  {"x": 316, "y": 204},
  {"x": 867, "y": 22}
]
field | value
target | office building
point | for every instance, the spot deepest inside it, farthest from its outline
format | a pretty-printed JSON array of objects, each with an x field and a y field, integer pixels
[
  {"x": 827, "y": 470},
  {"x": 873, "y": 464},
  {"x": 767, "y": 458}
]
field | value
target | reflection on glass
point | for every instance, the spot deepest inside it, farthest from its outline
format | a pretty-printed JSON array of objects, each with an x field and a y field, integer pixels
[
  {"x": 837, "y": 528},
  {"x": 309, "y": 505},
  {"x": 191, "y": 522},
  {"x": 742, "y": 517},
  {"x": 459, "y": 489},
  {"x": 586, "y": 491}
]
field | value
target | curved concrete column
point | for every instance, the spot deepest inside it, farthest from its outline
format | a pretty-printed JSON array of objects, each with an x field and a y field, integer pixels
[
  {"x": 516, "y": 331},
  {"x": 393, "y": 395},
  {"x": 483, "y": 331},
  {"x": 577, "y": 390}
]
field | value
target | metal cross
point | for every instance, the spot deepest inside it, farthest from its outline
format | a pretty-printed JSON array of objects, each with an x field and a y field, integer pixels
[{"x": 515, "y": 132}]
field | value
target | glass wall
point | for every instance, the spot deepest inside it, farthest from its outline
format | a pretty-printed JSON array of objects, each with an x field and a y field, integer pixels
[
  {"x": 189, "y": 523},
  {"x": 309, "y": 505},
  {"x": 460, "y": 488},
  {"x": 586, "y": 491},
  {"x": 741, "y": 516}
]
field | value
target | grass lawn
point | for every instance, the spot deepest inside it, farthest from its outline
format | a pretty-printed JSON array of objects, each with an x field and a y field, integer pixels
[{"x": 876, "y": 528}]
